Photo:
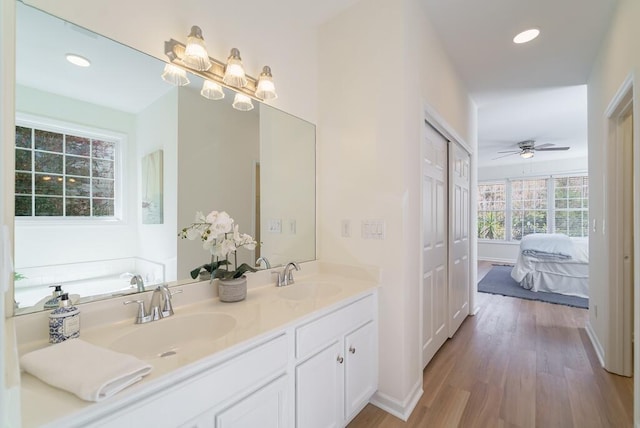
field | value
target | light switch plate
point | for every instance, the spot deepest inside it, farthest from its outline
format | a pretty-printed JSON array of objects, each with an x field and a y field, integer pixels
[
  {"x": 373, "y": 229},
  {"x": 275, "y": 225},
  {"x": 345, "y": 228}
]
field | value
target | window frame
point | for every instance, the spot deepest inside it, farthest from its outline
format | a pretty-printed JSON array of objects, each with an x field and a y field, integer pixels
[
  {"x": 551, "y": 210},
  {"x": 64, "y": 127}
]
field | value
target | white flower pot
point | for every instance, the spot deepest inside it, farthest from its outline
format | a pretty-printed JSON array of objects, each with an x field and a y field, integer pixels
[{"x": 232, "y": 290}]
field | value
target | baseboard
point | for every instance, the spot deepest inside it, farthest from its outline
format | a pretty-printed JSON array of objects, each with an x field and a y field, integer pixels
[
  {"x": 595, "y": 343},
  {"x": 398, "y": 409},
  {"x": 475, "y": 311}
]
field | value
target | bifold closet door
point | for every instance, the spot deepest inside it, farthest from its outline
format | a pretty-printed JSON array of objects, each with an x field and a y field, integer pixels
[
  {"x": 459, "y": 186},
  {"x": 433, "y": 287}
]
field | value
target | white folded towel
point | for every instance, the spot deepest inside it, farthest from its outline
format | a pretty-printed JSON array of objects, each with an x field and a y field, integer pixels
[{"x": 90, "y": 372}]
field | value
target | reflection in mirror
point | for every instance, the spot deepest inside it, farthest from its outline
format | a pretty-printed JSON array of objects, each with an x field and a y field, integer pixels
[{"x": 98, "y": 148}]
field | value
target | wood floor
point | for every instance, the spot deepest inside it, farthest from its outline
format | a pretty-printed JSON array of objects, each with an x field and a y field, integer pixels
[{"x": 517, "y": 363}]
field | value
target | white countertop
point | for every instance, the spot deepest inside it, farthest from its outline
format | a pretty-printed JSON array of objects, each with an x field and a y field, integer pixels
[{"x": 262, "y": 315}]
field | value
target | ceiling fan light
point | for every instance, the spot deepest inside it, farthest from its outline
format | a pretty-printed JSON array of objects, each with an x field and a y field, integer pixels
[{"x": 526, "y": 154}]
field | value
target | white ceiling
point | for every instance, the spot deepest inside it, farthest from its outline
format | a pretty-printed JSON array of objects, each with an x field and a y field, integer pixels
[
  {"x": 123, "y": 73},
  {"x": 525, "y": 91}
]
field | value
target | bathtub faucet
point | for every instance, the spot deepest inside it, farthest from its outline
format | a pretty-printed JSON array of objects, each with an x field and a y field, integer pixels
[{"x": 137, "y": 281}]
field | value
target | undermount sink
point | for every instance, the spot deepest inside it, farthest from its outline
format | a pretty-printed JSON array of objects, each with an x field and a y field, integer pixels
[
  {"x": 169, "y": 336},
  {"x": 309, "y": 290}
]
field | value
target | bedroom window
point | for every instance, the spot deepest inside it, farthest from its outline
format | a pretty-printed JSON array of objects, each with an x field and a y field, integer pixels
[
  {"x": 492, "y": 204},
  {"x": 571, "y": 208},
  {"x": 528, "y": 207},
  {"x": 511, "y": 209},
  {"x": 64, "y": 174}
]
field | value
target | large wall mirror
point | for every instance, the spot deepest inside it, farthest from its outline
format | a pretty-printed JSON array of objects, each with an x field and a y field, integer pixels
[{"x": 111, "y": 162}]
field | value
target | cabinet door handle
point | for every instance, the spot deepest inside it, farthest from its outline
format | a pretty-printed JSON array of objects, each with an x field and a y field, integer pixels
[
  {"x": 340, "y": 359},
  {"x": 352, "y": 349}
]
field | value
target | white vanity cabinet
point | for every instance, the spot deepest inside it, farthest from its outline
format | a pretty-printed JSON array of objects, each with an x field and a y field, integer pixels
[
  {"x": 249, "y": 386},
  {"x": 336, "y": 365}
]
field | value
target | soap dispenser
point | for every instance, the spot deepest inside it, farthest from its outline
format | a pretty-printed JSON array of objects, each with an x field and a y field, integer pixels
[
  {"x": 54, "y": 301},
  {"x": 64, "y": 322}
]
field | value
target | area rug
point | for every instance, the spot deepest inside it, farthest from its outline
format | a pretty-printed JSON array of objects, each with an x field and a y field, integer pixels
[{"x": 499, "y": 281}]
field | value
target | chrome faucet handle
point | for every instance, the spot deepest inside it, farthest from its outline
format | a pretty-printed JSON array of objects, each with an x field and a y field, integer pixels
[
  {"x": 167, "y": 307},
  {"x": 142, "y": 316},
  {"x": 280, "y": 278}
]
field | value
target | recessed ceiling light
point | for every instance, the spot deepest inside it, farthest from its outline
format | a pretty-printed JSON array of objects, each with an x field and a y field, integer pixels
[
  {"x": 526, "y": 36},
  {"x": 78, "y": 60}
]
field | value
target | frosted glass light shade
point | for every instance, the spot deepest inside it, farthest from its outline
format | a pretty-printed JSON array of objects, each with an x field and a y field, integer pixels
[
  {"x": 242, "y": 102},
  {"x": 234, "y": 71},
  {"x": 526, "y": 154},
  {"x": 195, "y": 53},
  {"x": 175, "y": 75},
  {"x": 266, "y": 89},
  {"x": 211, "y": 90}
]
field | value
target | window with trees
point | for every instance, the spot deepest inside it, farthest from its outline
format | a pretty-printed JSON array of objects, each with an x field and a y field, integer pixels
[
  {"x": 492, "y": 204},
  {"x": 511, "y": 209},
  {"x": 64, "y": 174}
]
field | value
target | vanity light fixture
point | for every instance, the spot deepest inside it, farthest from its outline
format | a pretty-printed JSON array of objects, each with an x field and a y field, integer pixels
[
  {"x": 526, "y": 154},
  {"x": 175, "y": 75},
  {"x": 242, "y": 102},
  {"x": 228, "y": 74},
  {"x": 195, "y": 53},
  {"x": 526, "y": 36},
  {"x": 266, "y": 89},
  {"x": 78, "y": 60},
  {"x": 211, "y": 90},
  {"x": 234, "y": 74}
]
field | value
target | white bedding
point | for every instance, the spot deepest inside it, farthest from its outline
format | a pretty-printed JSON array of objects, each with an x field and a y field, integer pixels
[{"x": 564, "y": 276}]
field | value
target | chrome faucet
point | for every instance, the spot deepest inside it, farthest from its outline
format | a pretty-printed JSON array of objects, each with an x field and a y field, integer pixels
[
  {"x": 159, "y": 307},
  {"x": 137, "y": 281},
  {"x": 267, "y": 265},
  {"x": 286, "y": 276}
]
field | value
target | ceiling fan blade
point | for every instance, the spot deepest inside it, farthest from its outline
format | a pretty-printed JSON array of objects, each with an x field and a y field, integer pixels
[
  {"x": 543, "y": 145},
  {"x": 504, "y": 156},
  {"x": 511, "y": 151},
  {"x": 548, "y": 149}
]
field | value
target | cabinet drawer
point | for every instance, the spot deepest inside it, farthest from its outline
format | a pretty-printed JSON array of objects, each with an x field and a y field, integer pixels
[
  {"x": 317, "y": 334},
  {"x": 204, "y": 391}
]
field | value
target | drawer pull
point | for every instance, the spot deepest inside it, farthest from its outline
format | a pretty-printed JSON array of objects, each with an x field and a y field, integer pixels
[
  {"x": 340, "y": 359},
  {"x": 352, "y": 349}
]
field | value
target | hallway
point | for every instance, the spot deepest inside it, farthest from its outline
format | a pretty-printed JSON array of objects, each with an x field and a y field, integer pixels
[{"x": 517, "y": 363}]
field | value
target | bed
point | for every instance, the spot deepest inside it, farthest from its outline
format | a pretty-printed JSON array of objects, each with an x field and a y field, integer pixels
[{"x": 553, "y": 262}]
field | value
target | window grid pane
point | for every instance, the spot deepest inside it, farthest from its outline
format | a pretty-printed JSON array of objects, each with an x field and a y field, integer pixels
[
  {"x": 572, "y": 206},
  {"x": 528, "y": 207},
  {"x": 64, "y": 175},
  {"x": 492, "y": 211}
]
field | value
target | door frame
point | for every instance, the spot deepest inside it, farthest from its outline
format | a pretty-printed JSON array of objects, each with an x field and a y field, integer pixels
[{"x": 618, "y": 359}]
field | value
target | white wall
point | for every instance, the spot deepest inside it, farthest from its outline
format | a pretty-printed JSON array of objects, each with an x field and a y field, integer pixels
[
  {"x": 286, "y": 152},
  {"x": 522, "y": 168},
  {"x": 108, "y": 241},
  {"x": 619, "y": 56},
  {"x": 157, "y": 129},
  {"x": 379, "y": 63},
  {"x": 222, "y": 145}
]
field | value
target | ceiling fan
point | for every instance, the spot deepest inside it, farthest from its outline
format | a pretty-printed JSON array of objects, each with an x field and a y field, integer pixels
[{"x": 528, "y": 147}]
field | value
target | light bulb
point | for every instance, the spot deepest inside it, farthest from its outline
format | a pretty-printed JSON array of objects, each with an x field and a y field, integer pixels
[
  {"x": 242, "y": 102},
  {"x": 175, "y": 75},
  {"x": 266, "y": 89},
  {"x": 195, "y": 54},
  {"x": 234, "y": 71},
  {"x": 211, "y": 90}
]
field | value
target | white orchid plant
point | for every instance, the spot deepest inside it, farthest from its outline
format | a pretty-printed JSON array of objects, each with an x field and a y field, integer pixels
[{"x": 221, "y": 236}]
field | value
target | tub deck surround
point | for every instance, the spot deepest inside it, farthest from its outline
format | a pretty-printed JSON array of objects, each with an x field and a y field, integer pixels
[{"x": 266, "y": 314}]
